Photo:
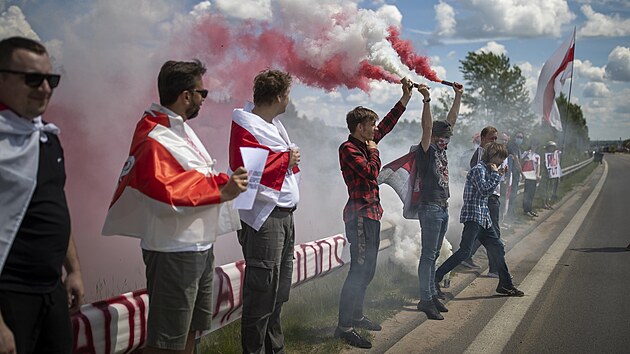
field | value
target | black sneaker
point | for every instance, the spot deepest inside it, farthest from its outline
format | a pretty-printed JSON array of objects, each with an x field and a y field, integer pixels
[
  {"x": 353, "y": 338},
  {"x": 439, "y": 305},
  {"x": 440, "y": 295},
  {"x": 510, "y": 291},
  {"x": 366, "y": 323},
  {"x": 428, "y": 307}
]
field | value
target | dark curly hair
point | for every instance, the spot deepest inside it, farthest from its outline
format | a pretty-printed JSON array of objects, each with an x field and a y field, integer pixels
[{"x": 270, "y": 84}]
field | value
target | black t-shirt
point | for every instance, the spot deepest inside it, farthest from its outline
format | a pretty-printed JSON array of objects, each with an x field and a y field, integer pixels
[
  {"x": 39, "y": 249},
  {"x": 433, "y": 167}
]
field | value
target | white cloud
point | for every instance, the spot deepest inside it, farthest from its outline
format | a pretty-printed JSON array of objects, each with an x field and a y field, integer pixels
[
  {"x": 201, "y": 9},
  {"x": 598, "y": 24},
  {"x": 492, "y": 47},
  {"x": 531, "y": 76},
  {"x": 13, "y": 23},
  {"x": 445, "y": 19},
  {"x": 586, "y": 70},
  {"x": 609, "y": 117},
  {"x": 513, "y": 18},
  {"x": 618, "y": 67},
  {"x": 246, "y": 9},
  {"x": 595, "y": 89}
]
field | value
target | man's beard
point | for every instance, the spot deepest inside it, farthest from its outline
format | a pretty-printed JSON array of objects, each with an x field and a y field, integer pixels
[{"x": 193, "y": 112}]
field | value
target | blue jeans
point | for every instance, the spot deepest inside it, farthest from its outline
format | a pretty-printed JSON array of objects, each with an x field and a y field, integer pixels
[
  {"x": 434, "y": 222},
  {"x": 490, "y": 240}
]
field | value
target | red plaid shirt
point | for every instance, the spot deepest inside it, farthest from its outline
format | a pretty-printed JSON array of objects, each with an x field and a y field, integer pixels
[{"x": 361, "y": 166}]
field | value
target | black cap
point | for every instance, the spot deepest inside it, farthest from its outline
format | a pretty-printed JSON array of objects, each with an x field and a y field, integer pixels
[{"x": 442, "y": 128}]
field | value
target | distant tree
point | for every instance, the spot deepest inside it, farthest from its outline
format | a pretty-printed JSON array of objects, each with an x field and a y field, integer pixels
[{"x": 495, "y": 92}]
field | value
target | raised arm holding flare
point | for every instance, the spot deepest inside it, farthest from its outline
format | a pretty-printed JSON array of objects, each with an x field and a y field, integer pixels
[
  {"x": 432, "y": 166},
  {"x": 360, "y": 165}
]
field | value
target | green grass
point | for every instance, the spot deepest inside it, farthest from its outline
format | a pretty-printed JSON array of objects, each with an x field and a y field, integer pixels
[{"x": 310, "y": 317}]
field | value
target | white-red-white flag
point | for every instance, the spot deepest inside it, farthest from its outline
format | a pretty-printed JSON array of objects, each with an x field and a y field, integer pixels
[
  {"x": 168, "y": 193},
  {"x": 554, "y": 73},
  {"x": 250, "y": 130},
  {"x": 402, "y": 175}
]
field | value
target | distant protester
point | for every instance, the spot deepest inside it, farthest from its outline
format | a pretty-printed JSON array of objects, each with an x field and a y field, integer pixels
[
  {"x": 530, "y": 163},
  {"x": 360, "y": 163},
  {"x": 475, "y": 215},
  {"x": 553, "y": 173},
  {"x": 514, "y": 149}
]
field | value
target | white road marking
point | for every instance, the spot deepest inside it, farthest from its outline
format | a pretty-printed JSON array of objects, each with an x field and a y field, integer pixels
[{"x": 496, "y": 334}]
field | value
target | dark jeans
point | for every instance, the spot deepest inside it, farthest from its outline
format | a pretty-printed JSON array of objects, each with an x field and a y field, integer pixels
[
  {"x": 364, "y": 236},
  {"x": 489, "y": 240},
  {"x": 528, "y": 194},
  {"x": 40, "y": 322},
  {"x": 516, "y": 177},
  {"x": 268, "y": 256},
  {"x": 551, "y": 190},
  {"x": 433, "y": 222},
  {"x": 494, "y": 205}
]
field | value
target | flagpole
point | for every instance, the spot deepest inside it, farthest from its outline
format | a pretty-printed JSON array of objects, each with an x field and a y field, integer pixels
[{"x": 565, "y": 123}]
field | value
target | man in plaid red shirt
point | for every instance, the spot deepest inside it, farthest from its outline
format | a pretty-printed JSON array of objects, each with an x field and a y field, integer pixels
[{"x": 360, "y": 165}]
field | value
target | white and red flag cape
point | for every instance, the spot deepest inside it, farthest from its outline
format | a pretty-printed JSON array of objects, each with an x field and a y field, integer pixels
[
  {"x": 402, "y": 175},
  {"x": 168, "y": 192},
  {"x": 278, "y": 184},
  {"x": 553, "y": 74}
]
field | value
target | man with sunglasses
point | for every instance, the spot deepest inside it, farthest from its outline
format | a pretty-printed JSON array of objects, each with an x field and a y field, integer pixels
[
  {"x": 432, "y": 164},
  {"x": 171, "y": 197},
  {"x": 35, "y": 239}
]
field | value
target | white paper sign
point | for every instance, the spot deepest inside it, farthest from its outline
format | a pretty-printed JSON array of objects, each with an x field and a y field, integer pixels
[{"x": 254, "y": 160}]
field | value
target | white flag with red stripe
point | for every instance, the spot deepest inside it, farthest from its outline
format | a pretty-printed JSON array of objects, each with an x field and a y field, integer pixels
[
  {"x": 168, "y": 192},
  {"x": 556, "y": 70},
  {"x": 402, "y": 175},
  {"x": 277, "y": 181}
]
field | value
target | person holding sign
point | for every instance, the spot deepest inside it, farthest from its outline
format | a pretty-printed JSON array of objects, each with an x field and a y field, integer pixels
[
  {"x": 268, "y": 234},
  {"x": 554, "y": 172}
]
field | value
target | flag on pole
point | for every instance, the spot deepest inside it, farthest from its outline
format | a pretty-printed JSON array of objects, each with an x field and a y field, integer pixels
[{"x": 554, "y": 73}]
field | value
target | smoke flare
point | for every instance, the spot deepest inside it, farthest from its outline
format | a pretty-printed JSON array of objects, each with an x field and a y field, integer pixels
[{"x": 420, "y": 64}]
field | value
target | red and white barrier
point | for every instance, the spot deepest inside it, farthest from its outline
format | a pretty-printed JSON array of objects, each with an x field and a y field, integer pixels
[{"x": 118, "y": 324}]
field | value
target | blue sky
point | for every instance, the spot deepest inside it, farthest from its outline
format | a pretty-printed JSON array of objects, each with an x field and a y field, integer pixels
[{"x": 526, "y": 31}]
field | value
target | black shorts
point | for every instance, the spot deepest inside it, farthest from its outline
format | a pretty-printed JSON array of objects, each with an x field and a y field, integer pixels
[{"x": 40, "y": 322}]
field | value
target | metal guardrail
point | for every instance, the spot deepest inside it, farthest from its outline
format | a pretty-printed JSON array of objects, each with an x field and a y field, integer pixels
[{"x": 565, "y": 171}]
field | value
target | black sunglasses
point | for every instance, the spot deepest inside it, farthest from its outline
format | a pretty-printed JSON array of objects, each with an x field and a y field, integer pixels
[
  {"x": 35, "y": 80},
  {"x": 203, "y": 93}
]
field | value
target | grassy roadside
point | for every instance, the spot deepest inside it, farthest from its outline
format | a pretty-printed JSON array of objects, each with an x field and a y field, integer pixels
[{"x": 310, "y": 316}]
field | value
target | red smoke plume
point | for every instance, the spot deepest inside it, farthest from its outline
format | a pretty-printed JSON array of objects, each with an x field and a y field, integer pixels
[
  {"x": 419, "y": 64},
  {"x": 245, "y": 52}
]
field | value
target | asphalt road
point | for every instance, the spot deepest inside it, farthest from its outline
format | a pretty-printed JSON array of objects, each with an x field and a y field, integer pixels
[
  {"x": 584, "y": 306},
  {"x": 572, "y": 264}
]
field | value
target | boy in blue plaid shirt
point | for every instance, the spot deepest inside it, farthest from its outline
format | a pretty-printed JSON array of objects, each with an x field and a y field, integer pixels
[{"x": 475, "y": 215}]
